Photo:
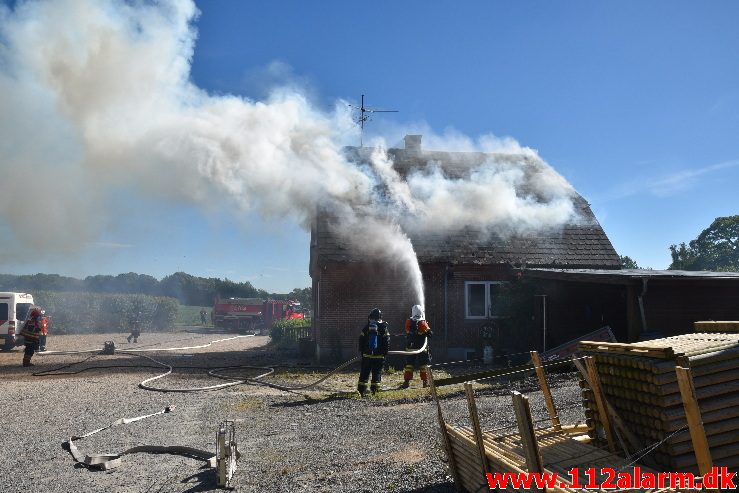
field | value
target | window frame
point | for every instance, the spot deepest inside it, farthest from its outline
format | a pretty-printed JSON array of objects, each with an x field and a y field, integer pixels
[{"x": 488, "y": 305}]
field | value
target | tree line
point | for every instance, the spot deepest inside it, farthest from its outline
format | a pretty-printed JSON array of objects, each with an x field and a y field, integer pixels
[
  {"x": 186, "y": 288},
  {"x": 716, "y": 249},
  {"x": 74, "y": 312}
]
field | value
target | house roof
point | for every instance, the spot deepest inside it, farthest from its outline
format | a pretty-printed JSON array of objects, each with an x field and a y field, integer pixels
[{"x": 579, "y": 245}]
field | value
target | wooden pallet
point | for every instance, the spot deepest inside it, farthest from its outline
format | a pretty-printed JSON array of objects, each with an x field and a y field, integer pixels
[
  {"x": 553, "y": 449},
  {"x": 561, "y": 450}
]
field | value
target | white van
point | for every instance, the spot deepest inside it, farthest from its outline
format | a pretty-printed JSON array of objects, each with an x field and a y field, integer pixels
[{"x": 13, "y": 311}]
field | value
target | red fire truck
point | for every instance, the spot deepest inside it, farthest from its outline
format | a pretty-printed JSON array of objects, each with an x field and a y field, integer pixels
[{"x": 253, "y": 314}]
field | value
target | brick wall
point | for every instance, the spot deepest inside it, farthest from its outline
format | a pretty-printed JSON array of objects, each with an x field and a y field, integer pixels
[
  {"x": 347, "y": 292},
  {"x": 463, "y": 332}
]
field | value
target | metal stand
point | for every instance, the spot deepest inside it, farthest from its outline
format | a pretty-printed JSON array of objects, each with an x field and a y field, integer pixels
[{"x": 227, "y": 453}]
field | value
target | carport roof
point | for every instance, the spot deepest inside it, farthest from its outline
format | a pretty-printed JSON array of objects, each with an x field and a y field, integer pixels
[{"x": 626, "y": 276}]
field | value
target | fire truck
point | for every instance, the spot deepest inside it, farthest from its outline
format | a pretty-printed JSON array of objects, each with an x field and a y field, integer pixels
[{"x": 253, "y": 315}]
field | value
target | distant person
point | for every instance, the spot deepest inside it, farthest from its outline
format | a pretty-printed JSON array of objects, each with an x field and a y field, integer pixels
[
  {"x": 374, "y": 343},
  {"x": 203, "y": 314},
  {"x": 135, "y": 329},
  {"x": 418, "y": 333},
  {"x": 44, "y": 333},
  {"x": 35, "y": 325}
]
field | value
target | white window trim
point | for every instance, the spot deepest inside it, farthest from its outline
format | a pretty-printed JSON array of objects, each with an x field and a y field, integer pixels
[{"x": 487, "y": 300}]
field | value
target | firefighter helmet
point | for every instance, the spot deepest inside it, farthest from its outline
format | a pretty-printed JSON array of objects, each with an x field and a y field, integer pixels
[
  {"x": 417, "y": 312},
  {"x": 35, "y": 312},
  {"x": 375, "y": 314}
]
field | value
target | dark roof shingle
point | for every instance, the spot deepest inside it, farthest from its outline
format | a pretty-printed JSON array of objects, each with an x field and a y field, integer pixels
[{"x": 583, "y": 244}]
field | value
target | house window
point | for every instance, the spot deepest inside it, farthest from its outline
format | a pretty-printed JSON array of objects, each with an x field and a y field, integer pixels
[{"x": 482, "y": 299}]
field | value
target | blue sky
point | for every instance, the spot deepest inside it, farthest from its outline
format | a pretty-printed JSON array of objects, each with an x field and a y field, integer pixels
[{"x": 635, "y": 103}]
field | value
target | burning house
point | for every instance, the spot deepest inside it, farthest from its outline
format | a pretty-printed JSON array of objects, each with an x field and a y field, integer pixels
[{"x": 468, "y": 270}]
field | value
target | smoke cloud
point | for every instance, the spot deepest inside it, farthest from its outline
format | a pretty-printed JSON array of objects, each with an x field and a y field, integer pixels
[{"x": 96, "y": 97}]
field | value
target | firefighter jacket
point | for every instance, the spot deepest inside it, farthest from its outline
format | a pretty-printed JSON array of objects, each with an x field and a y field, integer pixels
[
  {"x": 374, "y": 342},
  {"x": 417, "y": 333},
  {"x": 34, "y": 328}
]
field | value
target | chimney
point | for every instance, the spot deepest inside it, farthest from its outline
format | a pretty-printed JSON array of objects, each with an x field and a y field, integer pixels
[{"x": 413, "y": 143}]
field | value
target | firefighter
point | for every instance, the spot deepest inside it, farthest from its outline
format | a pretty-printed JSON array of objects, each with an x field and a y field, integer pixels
[
  {"x": 418, "y": 333},
  {"x": 44, "y": 333},
  {"x": 35, "y": 326},
  {"x": 374, "y": 343},
  {"x": 135, "y": 329}
]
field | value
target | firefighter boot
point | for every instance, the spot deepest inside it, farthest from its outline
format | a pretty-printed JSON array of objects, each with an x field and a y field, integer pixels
[
  {"x": 129, "y": 339},
  {"x": 407, "y": 376},
  {"x": 27, "y": 361},
  {"x": 362, "y": 388},
  {"x": 425, "y": 376}
]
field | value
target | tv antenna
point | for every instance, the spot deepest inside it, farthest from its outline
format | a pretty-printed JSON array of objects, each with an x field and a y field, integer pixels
[{"x": 365, "y": 114}]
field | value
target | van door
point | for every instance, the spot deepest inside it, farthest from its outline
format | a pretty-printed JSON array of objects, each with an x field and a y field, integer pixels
[{"x": 7, "y": 342}]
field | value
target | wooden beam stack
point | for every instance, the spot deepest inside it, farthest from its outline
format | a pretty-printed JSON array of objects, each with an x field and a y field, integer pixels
[
  {"x": 712, "y": 326},
  {"x": 640, "y": 382}
]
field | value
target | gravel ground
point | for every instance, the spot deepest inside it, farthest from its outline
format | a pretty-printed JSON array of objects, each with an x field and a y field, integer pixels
[{"x": 309, "y": 441}]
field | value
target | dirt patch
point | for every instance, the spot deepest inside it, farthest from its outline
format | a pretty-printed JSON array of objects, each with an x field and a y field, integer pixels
[{"x": 409, "y": 455}]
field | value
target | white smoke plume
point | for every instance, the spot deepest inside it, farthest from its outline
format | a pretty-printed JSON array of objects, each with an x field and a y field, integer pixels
[{"x": 96, "y": 96}]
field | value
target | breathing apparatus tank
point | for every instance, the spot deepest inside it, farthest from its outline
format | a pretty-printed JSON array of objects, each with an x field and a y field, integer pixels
[{"x": 372, "y": 335}]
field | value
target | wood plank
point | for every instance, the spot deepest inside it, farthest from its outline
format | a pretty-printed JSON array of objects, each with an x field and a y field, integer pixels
[
  {"x": 545, "y": 389},
  {"x": 475, "y": 419},
  {"x": 695, "y": 424},
  {"x": 442, "y": 427},
  {"x": 528, "y": 437},
  {"x": 597, "y": 390}
]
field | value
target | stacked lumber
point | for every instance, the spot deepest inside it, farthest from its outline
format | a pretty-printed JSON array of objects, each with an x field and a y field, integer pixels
[
  {"x": 640, "y": 382},
  {"x": 561, "y": 450},
  {"x": 711, "y": 326}
]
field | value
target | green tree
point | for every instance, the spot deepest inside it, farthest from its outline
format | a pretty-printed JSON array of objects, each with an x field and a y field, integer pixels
[
  {"x": 304, "y": 296},
  {"x": 715, "y": 249},
  {"x": 628, "y": 262}
]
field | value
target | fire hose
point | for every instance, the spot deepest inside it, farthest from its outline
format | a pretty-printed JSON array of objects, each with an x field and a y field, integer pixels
[
  {"x": 226, "y": 450},
  {"x": 223, "y": 460},
  {"x": 144, "y": 350},
  {"x": 258, "y": 379},
  {"x": 215, "y": 372}
]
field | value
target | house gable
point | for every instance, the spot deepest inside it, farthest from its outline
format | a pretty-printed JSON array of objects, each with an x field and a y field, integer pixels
[{"x": 347, "y": 286}]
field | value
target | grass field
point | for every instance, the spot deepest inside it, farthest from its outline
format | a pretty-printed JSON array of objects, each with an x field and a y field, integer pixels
[{"x": 190, "y": 315}]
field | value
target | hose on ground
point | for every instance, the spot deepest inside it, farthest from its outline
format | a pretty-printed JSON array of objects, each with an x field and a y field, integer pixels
[{"x": 215, "y": 372}]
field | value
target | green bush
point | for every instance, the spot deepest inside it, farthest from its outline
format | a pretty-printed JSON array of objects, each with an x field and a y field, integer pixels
[
  {"x": 287, "y": 331},
  {"x": 80, "y": 312}
]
